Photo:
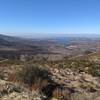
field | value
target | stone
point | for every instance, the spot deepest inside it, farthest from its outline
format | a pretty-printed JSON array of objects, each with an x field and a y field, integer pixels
[{"x": 88, "y": 78}]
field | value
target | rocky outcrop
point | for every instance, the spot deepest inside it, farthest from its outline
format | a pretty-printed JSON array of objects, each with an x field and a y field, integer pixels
[{"x": 78, "y": 86}]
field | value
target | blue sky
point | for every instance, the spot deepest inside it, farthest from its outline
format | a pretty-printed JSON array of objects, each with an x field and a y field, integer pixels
[{"x": 49, "y": 16}]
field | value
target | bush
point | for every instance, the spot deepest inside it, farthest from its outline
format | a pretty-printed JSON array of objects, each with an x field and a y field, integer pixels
[
  {"x": 95, "y": 69},
  {"x": 32, "y": 74}
]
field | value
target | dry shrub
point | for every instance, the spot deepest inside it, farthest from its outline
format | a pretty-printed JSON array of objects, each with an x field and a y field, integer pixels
[
  {"x": 39, "y": 85},
  {"x": 34, "y": 76},
  {"x": 12, "y": 77},
  {"x": 62, "y": 93},
  {"x": 57, "y": 93}
]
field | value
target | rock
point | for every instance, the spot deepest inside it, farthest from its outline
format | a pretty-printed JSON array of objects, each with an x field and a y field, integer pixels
[
  {"x": 97, "y": 98},
  {"x": 54, "y": 99},
  {"x": 75, "y": 83},
  {"x": 88, "y": 78}
]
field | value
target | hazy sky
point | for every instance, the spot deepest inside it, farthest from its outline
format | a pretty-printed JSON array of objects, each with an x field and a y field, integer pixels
[{"x": 50, "y": 16}]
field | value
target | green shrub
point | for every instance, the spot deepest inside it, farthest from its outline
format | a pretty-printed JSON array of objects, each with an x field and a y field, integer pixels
[
  {"x": 32, "y": 74},
  {"x": 95, "y": 69}
]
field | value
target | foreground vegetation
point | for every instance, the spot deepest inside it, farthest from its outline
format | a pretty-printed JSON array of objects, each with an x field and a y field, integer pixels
[{"x": 55, "y": 79}]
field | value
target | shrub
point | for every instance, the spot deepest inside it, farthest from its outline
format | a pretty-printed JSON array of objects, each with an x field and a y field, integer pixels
[
  {"x": 33, "y": 75},
  {"x": 95, "y": 69}
]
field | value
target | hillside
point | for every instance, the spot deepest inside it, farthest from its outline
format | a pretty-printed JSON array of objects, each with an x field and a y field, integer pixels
[{"x": 49, "y": 69}]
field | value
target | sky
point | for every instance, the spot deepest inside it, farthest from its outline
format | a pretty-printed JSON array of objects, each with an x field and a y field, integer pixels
[{"x": 49, "y": 16}]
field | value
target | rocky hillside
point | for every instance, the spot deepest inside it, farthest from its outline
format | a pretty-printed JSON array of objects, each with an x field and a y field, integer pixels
[
  {"x": 76, "y": 85},
  {"x": 64, "y": 84}
]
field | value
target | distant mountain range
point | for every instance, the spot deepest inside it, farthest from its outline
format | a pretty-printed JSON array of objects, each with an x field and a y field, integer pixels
[
  {"x": 53, "y": 35},
  {"x": 21, "y": 45}
]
